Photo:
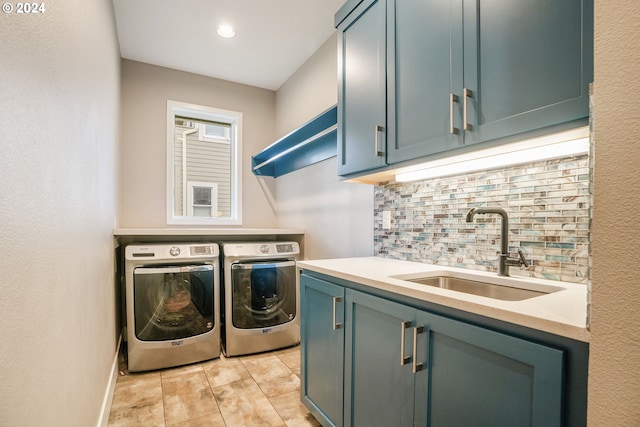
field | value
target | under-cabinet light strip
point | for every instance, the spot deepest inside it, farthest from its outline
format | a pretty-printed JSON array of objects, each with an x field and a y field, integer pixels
[{"x": 549, "y": 147}]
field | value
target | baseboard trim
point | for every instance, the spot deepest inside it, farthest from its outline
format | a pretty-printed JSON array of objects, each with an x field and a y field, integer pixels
[{"x": 103, "y": 420}]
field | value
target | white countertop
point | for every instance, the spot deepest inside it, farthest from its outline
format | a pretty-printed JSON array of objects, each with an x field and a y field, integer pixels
[
  {"x": 202, "y": 231},
  {"x": 562, "y": 313}
]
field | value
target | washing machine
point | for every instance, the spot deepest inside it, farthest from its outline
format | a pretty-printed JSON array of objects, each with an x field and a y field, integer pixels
[
  {"x": 261, "y": 297},
  {"x": 172, "y": 304}
]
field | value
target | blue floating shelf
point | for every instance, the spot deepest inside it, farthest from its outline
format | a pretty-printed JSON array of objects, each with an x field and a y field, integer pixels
[{"x": 311, "y": 143}]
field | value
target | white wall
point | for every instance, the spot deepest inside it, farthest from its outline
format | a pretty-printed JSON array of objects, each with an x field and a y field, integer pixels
[
  {"x": 337, "y": 216},
  {"x": 59, "y": 88},
  {"x": 614, "y": 374},
  {"x": 145, "y": 91},
  {"x": 310, "y": 90}
]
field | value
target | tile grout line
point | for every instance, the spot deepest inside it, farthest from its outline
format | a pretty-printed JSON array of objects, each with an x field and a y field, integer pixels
[
  {"x": 164, "y": 407},
  {"x": 224, "y": 420},
  {"x": 213, "y": 394},
  {"x": 262, "y": 391}
]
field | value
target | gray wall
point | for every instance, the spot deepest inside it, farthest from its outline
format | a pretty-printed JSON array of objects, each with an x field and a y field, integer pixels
[
  {"x": 337, "y": 216},
  {"x": 145, "y": 91},
  {"x": 58, "y": 144}
]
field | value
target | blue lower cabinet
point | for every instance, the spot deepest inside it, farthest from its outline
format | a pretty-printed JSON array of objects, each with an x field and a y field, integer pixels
[
  {"x": 472, "y": 376},
  {"x": 322, "y": 349},
  {"x": 368, "y": 361},
  {"x": 378, "y": 378}
]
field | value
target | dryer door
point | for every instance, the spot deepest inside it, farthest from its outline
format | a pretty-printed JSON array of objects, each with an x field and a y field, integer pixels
[
  {"x": 264, "y": 294},
  {"x": 173, "y": 302}
]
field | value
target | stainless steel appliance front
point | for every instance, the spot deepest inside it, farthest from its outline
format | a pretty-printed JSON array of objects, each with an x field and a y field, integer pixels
[
  {"x": 172, "y": 304},
  {"x": 261, "y": 297}
]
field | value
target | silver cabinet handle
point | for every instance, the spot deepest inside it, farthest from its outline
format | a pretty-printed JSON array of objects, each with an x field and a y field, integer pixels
[
  {"x": 376, "y": 150},
  {"x": 452, "y": 99},
  {"x": 467, "y": 94},
  {"x": 403, "y": 327},
  {"x": 416, "y": 366},
  {"x": 335, "y": 325}
]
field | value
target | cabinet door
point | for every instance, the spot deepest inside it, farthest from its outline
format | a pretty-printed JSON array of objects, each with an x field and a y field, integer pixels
[
  {"x": 528, "y": 64},
  {"x": 476, "y": 377},
  {"x": 362, "y": 89},
  {"x": 378, "y": 376},
  {"x": 322, "y": 349},
  {"x": 423, "y": 73}
]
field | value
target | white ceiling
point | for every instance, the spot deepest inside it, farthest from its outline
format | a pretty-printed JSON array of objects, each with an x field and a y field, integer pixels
[{"x": 273, "y": 37}]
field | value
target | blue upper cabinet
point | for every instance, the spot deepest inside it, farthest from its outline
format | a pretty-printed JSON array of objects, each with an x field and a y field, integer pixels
[
  {"x": 527, "y": 65},
  {"x": 362, "y": 88},
  {"x": 461, "y": 72},
  {"x": 421, "y": 69}
]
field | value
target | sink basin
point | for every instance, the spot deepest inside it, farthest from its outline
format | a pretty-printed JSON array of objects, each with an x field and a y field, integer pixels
[{"x": 483, "y": 289}]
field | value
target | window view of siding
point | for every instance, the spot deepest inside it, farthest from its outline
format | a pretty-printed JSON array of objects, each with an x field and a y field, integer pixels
[{"x": 202, "y": 165}]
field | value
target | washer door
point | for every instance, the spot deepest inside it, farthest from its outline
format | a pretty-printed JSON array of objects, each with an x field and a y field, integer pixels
[
  {"x": 173, "y": 302},
  {"x": 264, "y": 294}
]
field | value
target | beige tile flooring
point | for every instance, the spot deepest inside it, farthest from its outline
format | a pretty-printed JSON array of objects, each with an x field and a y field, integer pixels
[{"x": 255, "y": 390}]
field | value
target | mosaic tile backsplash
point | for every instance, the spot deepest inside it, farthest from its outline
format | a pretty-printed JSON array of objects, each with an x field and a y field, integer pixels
[{"x": 547, "y": 203}]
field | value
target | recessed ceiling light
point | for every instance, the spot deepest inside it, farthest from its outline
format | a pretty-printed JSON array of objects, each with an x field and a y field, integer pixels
[{"x": 225, "y": 31}]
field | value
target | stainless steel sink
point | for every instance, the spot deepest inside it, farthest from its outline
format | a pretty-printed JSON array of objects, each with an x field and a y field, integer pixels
[{"x": 484, "y": 289}]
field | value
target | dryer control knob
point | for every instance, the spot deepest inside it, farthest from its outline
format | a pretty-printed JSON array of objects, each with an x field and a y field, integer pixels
[
  {"x": 174, "y": 251},
  {"x": 264, "y": 249}
]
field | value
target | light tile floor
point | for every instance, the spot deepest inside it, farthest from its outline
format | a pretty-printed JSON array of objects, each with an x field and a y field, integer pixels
[{"x": 255, "y": 390}]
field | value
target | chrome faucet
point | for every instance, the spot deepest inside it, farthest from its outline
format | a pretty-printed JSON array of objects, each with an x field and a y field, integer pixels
[{"x": 504, "y": 261}]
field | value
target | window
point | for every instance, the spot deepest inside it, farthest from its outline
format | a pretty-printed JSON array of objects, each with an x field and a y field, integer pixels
[
  {"x": 202, "y": 199},
  {"x": 215, "y": 131},
  {"x": 203, "y": 165}
]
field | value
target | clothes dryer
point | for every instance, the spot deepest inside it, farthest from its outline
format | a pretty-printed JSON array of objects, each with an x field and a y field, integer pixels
[
  {"x": 172, "y": 304},
  {"x": 261, "y": 297}
]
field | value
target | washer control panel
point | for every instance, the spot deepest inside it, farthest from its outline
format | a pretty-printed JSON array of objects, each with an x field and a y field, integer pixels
[
  {"x": 171, "y": 251},
  {"x": 261, "y": 249}
]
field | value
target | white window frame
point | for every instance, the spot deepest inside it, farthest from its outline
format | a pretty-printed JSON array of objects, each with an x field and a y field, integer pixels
[
  {"x": 213, "y": 186},
  {"x": 234, "y": 118},
  {"x": 202, "y": 136}
]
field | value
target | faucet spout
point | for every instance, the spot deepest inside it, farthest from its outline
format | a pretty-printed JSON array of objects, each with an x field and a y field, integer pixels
[
  {"x": 504, "y": 235},
  {"x": 471, "y": 214},
  {"x": 504, "y": 261}
]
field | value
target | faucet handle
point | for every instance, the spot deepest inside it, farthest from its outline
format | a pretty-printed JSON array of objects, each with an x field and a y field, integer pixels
[
  {"x": 516, "y": 262},
  {"x": 523, "y": 260}
]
